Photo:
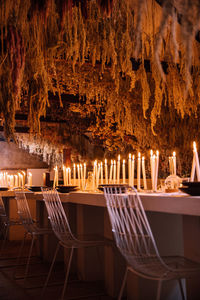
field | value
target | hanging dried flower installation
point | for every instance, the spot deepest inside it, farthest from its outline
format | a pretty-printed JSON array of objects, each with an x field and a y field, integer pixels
[{"x": 129, "y": 61}]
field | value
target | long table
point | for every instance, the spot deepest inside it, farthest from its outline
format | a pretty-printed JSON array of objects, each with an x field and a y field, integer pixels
[{"x": 88, "y": 215}]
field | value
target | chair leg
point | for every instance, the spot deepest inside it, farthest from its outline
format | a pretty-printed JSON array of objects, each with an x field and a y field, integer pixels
[
  {"x": 29, "y": 257},
  {"x": 4, "y": 240},
  {"x": 159, "y": 290},
  {"x": 67, "y": 273},
  {"x": 50, "y": 270},
  {"x": 123, "y": 285},
  {"x": 19, "y": 255},
  {"x": 181, "y": 289}
]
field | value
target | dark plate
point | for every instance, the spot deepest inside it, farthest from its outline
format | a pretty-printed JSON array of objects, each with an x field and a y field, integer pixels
[
  {"x": 34, "y": 188},
  {"x": 3, "y": 189},
  {"x": 66, "y": 188},
  {"x": 194, "y": 184},
  {"x": 122, "y": 186},
  {"x": 192, "y": 191}
]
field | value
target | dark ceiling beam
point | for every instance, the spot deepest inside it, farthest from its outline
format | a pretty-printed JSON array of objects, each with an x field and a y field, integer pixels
[
  {"x": 48, "y": 119},
  {"x": 18, "y": 129}
]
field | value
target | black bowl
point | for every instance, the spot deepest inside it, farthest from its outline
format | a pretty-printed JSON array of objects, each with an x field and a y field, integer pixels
[
  {"x": 194, "y": 184},
  {"x": 66, "y": 188},
  {"x": 3, "y": 189},
  {"x": 35, "y": 188},
  {"x": 192, "y": 191}
]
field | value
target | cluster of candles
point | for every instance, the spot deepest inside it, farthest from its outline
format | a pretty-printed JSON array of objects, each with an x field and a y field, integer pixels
[
  {"x": 103, "y": 173},
  {"x": 15, "y": 180},
  {"x": 115, "y": 172},
  {"x": 79, "y": 175}
]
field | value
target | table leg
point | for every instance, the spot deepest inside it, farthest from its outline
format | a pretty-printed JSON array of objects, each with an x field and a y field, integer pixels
[{"x": 191, "y": 234}]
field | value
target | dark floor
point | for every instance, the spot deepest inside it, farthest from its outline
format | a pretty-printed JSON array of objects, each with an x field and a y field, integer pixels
[{"x": 14, "y": 288}]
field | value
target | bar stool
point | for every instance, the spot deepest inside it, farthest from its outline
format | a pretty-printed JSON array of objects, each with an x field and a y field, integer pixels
[
  {"x": 62, "y": 230},
  {"x": 30, "y": 226},
  {"x": 135, "y": 241}
]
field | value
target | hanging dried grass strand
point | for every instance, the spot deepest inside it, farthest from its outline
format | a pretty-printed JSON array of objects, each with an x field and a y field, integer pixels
[
  {"x": 138, "y": 30},
  {"x": 166, "y": 12}
]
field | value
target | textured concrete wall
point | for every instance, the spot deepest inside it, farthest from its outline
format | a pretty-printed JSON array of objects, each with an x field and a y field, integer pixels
[{"x": 11, "y": 157}]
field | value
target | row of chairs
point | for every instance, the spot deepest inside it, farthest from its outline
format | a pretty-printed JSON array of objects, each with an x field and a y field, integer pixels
[{"x": 132, "y": 235}]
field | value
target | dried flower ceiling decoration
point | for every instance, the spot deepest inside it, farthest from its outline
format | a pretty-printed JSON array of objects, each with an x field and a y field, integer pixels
[{"x": 109, "y": 52}]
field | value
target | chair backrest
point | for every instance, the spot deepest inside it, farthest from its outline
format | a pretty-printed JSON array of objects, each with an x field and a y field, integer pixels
[
  {"x": 24, "y": 211},
  {"x": 57, "y": 215},
  {"x": 131, "y": 229},
  {"x": 3, "y": 214}
]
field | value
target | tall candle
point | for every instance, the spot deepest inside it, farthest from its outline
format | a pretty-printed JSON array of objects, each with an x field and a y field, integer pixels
[
  {"x": 144, "y": 173},
  {"x": 114, "y": 177},
  {"x": 170, "y": 166},
  {"x": 94, "y": 174},
  {"x": 64, "y": 175},
  {"x": 1, "y": 179},
  {"x": 70, "y": 177},
  {"x": 101, "y": 169},
  {"x": 67, "y": 175},
  {"x": 12, "y": 181},
  {"x": 156, "y": 170},
  {"x": 129, "y": 170},
  {"x": 55, "y": 182},
  {"x": 30, "y": 177},
  {"x": 196, "y": 161},
  {"x": 24, "y": 178},
  {"x": 174, "y": 162},
  {"x": 124, "y": 171},
  {"x": 98, "y": 174},
  {"x": 16, "y": 181},
  {"x": 152, "y": 169},
  {"x": 106, "y": 171},
  {"x": 19, "y": 181},
  {"x": 132, "y": 170},
  {"x": 79, "y": 179},
  {"x": 111, "y": 172},
  {"x": 81, "y": 174},
  {"x": 118, "y": 169},
  {"x": 84, "y": 174},
  {"x": 193, "y": 164},
  {"x": 74, "y": 174},
  {"x": 138, "y": 171}
]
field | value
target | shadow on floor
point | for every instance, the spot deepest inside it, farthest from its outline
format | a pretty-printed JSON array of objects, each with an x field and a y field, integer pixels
[{"x": 15, "y": 288}]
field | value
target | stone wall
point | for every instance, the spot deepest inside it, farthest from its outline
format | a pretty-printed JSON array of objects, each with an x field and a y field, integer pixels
[{"x": 11, "y": 157}]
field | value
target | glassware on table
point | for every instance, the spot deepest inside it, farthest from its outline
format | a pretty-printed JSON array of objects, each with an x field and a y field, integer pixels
[
  {"x": 90, "y": 186},
  {"x": 172, "y": 183}
]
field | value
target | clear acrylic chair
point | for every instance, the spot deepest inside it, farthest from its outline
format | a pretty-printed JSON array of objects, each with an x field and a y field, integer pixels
[
  {"x": 61, "y": 228},
  {"x": 31, "y": 228},
  {"x": 5, "y": 223},
  {"x": 135, "y": 241}
]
